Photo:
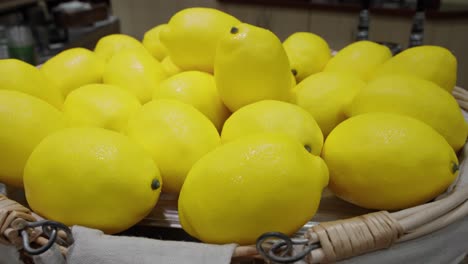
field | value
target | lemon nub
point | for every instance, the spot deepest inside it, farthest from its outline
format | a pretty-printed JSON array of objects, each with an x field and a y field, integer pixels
[
  {"x": 234, "y": 30},
  {"x": 155, "y": 184},
  {"x": 455, "y": 167}
]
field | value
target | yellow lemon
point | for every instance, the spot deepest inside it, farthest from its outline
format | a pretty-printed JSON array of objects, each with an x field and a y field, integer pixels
[
  {"x": 326, "y": 96},
  {"x": 388, "y": 161},
  {"x": 91, "y": 177},
  {"x": 433, "y": 63},
  {"x": 251, "y": 65},
  {"x": 417, "y": 98},
  {"x": 169, "y": 67},
  {"x": 153, "y": 44},
  {"x": 136, "y": 71},
  {"x": 100, "y": 105},
  {"x": 24, "y": 121},
  {"x": 246, "y": 184},
  {"x": 22, "y": 77},
  {"x": 176, "y": 134},
  {"x": 197, "y": 89},
  {"x": 192, "y": 36},
  {"x": 360, "y": 58},
  {"x": 74, "y": 68},
  {"x": 109, "y": 45},
  {"x": 308, "y": 53},
  {"x": 275, "y": 116}
]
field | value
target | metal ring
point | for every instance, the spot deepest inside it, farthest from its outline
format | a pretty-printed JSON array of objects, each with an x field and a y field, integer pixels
[
  {"x": 36, "y": 251},
  {"x": 50, "y": 229},
  {"x": 47, "y": 225},
  {"x": 285, "y": 244}
]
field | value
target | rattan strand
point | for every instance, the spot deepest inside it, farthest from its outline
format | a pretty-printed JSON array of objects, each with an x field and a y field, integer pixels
[
  {"x": 345, "y": 238},
  {"x": 12, "y": 217}
]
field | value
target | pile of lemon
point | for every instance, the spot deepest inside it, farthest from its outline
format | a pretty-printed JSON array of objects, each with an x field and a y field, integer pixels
[{"x": 246, "y": 129}]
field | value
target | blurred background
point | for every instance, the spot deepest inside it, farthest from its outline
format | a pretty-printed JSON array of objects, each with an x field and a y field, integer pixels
[{"x": 35, "y": 30}]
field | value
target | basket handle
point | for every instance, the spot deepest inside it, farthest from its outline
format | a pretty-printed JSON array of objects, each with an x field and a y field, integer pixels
[
  {"x": 342, "y": 239},
  {"x": 355, "y": 236},
  {"x": 18, "y": 227}
]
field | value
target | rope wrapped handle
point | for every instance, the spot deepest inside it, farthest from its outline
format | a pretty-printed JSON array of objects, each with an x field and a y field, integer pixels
[
  {"x": 336, "y": 240},
  {"x": 355, "y": 236},
  {"x": 20, "y": 228}
]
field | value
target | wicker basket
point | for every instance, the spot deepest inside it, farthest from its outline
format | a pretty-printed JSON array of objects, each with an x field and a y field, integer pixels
[{"x": 327, "y": 238}]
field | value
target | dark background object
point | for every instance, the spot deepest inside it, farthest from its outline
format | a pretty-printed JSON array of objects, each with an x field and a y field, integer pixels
[
  {"x": 417, "y": 29},
  {"x": 54, "y": 31},
  {"x": 82, "y": 18},
  {"x": 363, "y": 25},
  {"x": 436, "y": 9}
]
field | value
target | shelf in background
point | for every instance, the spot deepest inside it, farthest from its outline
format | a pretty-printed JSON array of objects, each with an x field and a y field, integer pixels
[
  {"x": 85, "y": 37},
  {"x": 6, "y": 5},
  {"x": 444, "y": 11}
]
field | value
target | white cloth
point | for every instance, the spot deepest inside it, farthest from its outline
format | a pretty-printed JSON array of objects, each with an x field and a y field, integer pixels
[
  {"x": 9, "y": 255},
  {"x": 92, "y": 246}
]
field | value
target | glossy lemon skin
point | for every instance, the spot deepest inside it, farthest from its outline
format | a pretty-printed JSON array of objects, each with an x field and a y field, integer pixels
[
  {"x": 176, "y": 135},
  {"x": 244, "y": 184},
  {"x": 251, "y": 65},
  {"x": 91, "y": 177},
  {"x": 388, "y": 161},
  {"x": 25, "y": 121}
]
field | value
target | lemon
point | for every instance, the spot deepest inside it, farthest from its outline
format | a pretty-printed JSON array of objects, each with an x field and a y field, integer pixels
[
  {"x": 192, "y": 35},
  {"x": 275, "y": 116},
  {"x": 136, "y": 71},
  {"x": 22, "y": 77},
  {"x": 417, "y": 98},
  {"x": 24, "y": 120},
  {"x": 169, "y": 67},
  {"x": 247, "y": 184},
  {"x": 326, "y": 95},
  {"x": 100, "y": 105},
  {"x": 73, "y": 68},
  {"x": 109, "y": 45},
  {"x": 176, "y": 135},
  {"x": 251, "y": 65},
  {"x": 308, "y": 53},
  {"x": 433, "y": 63},
  {"x": 388, "y": 161},
  {"x": 197, "y": 89},
  {"x": 153, "y": 44},
  {"x": 360, "y": 58},
  {"x": 91, "y": 177}
]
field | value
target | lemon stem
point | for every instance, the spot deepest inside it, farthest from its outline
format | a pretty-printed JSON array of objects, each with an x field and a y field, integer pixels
[
  {"x": 155, "y": 184},
  {"x": 234, "y": 30},
  {"x": 455, "y": 167}
]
